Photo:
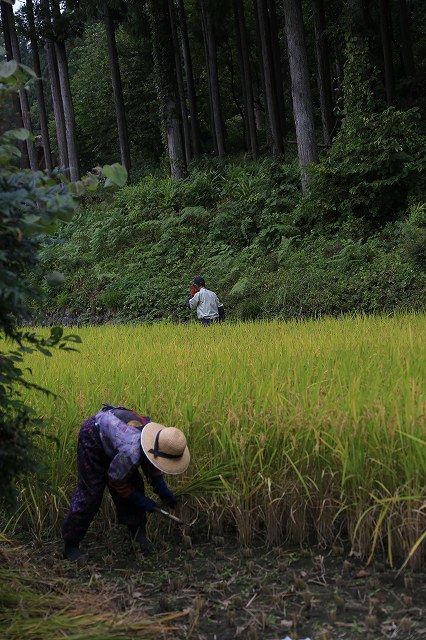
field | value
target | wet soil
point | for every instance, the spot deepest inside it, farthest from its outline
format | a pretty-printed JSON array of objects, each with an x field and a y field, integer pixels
[{"x": 224, "y": 591}]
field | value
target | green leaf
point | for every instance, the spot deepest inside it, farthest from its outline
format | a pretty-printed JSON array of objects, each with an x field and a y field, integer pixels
[
  {"x": 91, "y": 181},
  {"x": 77, "y": 188},
  {"x": 46, "y": 352},
  {"x": 26, "y": 349},
  {"x": 55, "y": 278},
  {"x": 240, "y": 287},
  {"x": 31, "y": 218},
  {"x": 116, "y": 173},
  {"x": 8, "y": 68},
  {"x": 56, "y": 333},
  {"x": 65, "y": 214},
  {"x": 72, "y": 337},
  {"x": 18, "y": 134},
  {"x": 28, "y": 70}
]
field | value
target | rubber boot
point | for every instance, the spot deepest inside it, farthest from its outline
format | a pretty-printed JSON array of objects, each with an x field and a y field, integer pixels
[
  {"x": 73, "y": 552},
  {"x": 138, "y": 534}
]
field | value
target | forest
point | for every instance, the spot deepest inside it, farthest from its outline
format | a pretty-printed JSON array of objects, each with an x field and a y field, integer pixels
[{"x": 276, "y": 147}]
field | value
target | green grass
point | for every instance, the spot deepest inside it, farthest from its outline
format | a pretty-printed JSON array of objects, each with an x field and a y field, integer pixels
[{"x": 298, "y": 431}]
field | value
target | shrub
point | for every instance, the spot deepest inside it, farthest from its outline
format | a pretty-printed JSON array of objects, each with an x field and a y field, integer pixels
[
  {"x": 110, "y": 299},
  {"x": 136, "y": 257},
  {"x": 31, "y": 203},
  {"x": 414, "y": 235},
  {"x": 377, "y": 161}
]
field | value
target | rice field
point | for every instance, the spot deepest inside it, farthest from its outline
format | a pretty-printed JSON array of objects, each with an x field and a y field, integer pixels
[{"x": 306, "y": 433}]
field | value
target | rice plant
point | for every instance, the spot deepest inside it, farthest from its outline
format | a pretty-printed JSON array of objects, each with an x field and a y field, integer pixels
[{"x": 301, "y": 432}]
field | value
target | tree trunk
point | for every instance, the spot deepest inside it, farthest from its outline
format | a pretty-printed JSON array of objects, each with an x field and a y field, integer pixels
[
  {"x": 277, "y": 147},
  {"x": 64, "y": 83},
  {"x": 357, "y": 16},
  {"x": 246, "y": 77},
  {"x": 323, "y": 66},
  {"x": 52, "y": 66},
  {"x": 40, "y": 92},
  {"x": 65, "y": 86},
  {"x": 361, "y": 28},
  {"x": 13, "y": 120},
  {"x": 407, "y": 44},
  {"x": 276, "y": 58},
  {"x": 58, "y": 110},
  {"x": 387, "y": 51},
  {"x": 300, "y": 88},
  {"x": 117, "y": 89},
  {"x": 23, "y": 97},
  {"x": 164, "y": 65},
  {"x": 262, "y": 122},
  {"x": 190, "y": 84},
  {"x": 180, "y": 84},
  {"x": 244, "y": 110},
  {"x": 213, "y": 77}
]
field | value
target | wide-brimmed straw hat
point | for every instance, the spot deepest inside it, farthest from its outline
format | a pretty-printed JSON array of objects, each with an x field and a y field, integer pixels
[{"x": 165, "y": 447}]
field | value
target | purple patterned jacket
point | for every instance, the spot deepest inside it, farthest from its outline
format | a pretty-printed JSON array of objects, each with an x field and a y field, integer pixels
[{"x": 122, "y": 443}]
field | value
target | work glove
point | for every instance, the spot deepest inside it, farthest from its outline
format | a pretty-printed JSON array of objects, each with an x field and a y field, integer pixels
[
  {"x": 138, "y": 499},
  {"x": 162, "y": 490}
]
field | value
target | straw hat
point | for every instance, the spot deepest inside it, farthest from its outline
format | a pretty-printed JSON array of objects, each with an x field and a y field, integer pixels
[{"x": 165, "y": 447}]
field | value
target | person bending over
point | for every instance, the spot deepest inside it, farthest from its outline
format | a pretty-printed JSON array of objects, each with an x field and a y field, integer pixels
[{"x": 112, "y": 446}]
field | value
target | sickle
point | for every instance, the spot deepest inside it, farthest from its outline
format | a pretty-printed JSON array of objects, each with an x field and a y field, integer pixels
[{"x": 169, "y": 515}]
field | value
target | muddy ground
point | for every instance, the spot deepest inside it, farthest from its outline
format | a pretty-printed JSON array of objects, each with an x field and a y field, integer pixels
[{"x": 224, "y": 591}]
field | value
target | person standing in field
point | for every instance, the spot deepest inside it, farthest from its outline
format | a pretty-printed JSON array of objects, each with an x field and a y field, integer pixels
[
  {"x": 112, "y": 445},
  {"x": 209, "y": 308}
]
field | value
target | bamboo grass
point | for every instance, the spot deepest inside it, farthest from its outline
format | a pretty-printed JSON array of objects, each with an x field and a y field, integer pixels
[{"x": 321, "y": 422}]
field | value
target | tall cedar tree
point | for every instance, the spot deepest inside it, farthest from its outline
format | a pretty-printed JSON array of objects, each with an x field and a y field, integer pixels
[
  {"x": 385, "y": 30},
  {"x": 9, "y": 19},
  {"x": 39, "y": 85},
  {"x": 218, "y": 130},
  {"x": 272, "y": 107},
  {"x": 278, "y": 66},
  {"x": 300, "y": 88},
  {"x": 65, "y": 88},
  {"x": 55, "y": 90},
  {"x": 12, "y": 119},
  {"x": 164, "y": 62},
  {"x": 407, "y": 43},
  {"x": 246, "y": 78},
  {"x": 117, "y": 88},
  {"x": 180, "y": 84},
  {"x": 323, "y": 71},
  {"x": 190, "y": 83}
]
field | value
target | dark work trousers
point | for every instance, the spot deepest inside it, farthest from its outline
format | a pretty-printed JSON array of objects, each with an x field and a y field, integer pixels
[{"x": 92, "y": 465}]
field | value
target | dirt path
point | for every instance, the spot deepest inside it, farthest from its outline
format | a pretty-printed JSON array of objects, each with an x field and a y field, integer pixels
[{"x": 216, "y": 590}]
